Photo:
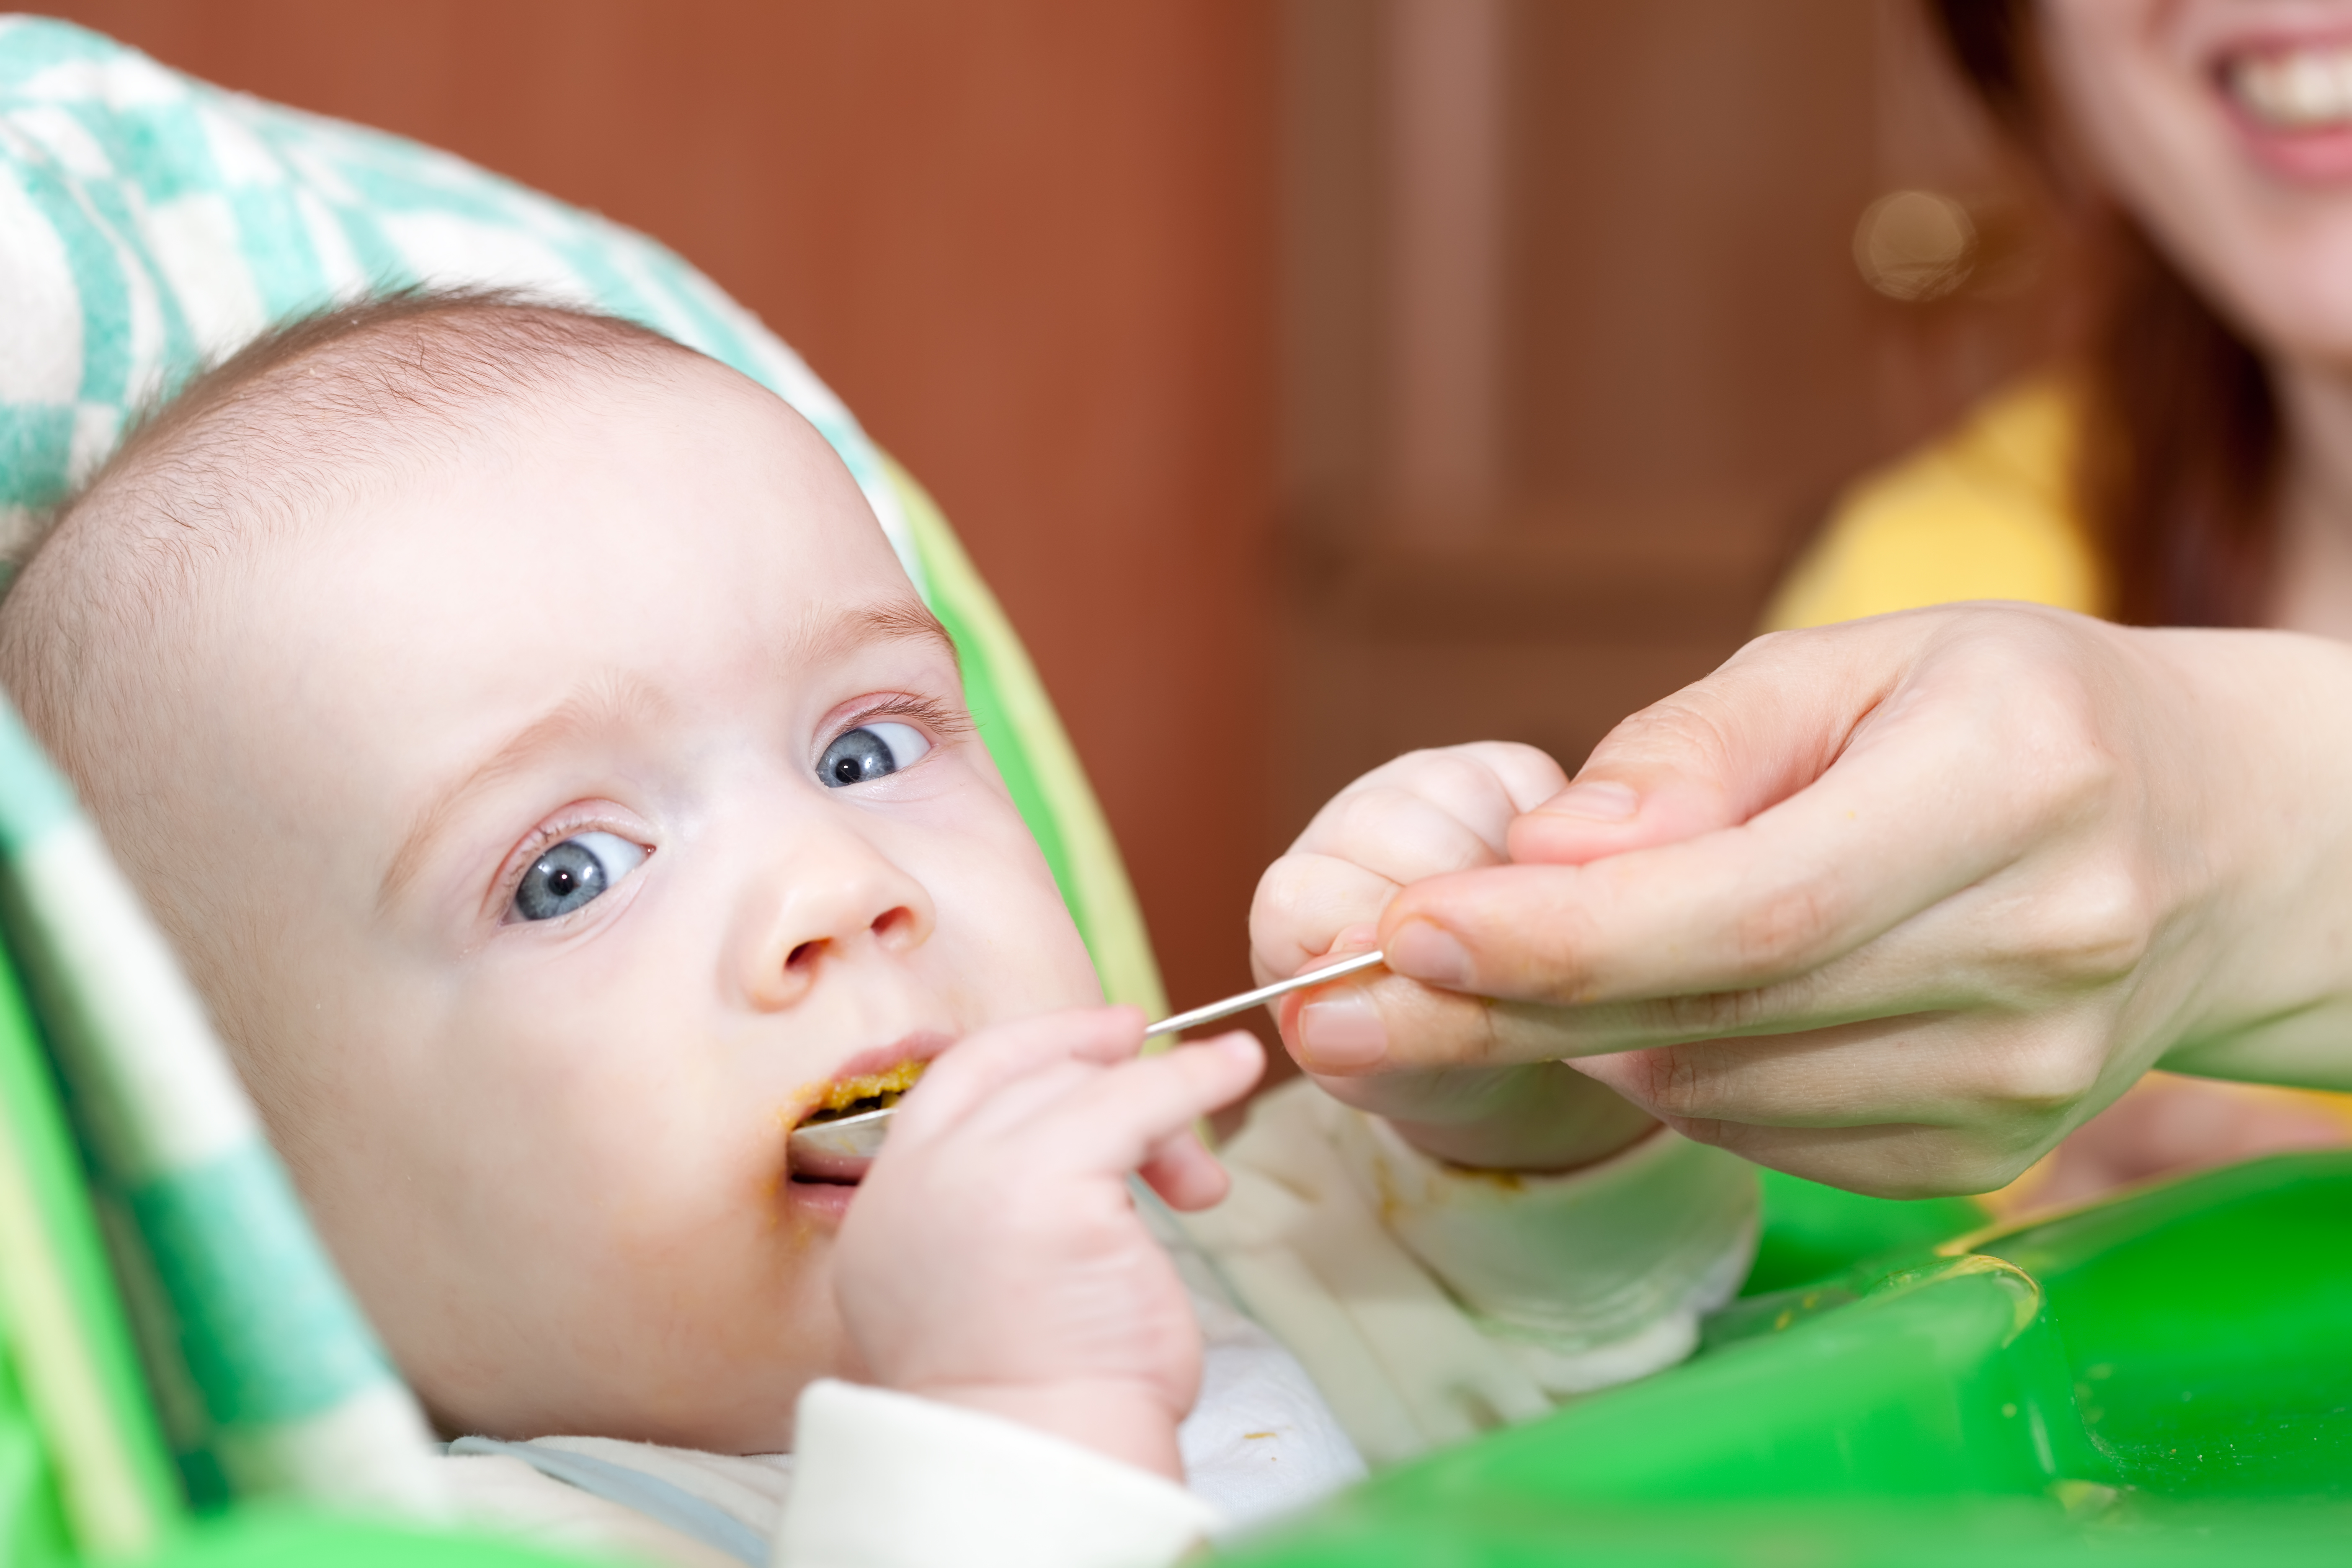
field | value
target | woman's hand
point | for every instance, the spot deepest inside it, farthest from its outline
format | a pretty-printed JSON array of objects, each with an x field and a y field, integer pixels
[
  {"x": 1422, "y": 816},
  {"x": 992, "y": 1257},
  {"x": 1898, "y": 903}
]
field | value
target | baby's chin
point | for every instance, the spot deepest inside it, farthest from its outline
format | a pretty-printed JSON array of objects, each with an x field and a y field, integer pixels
[{"x": 669, "y": 1367}]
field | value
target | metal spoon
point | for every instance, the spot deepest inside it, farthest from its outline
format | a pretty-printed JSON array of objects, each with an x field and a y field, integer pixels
[{"x": 860, "y": 1137}]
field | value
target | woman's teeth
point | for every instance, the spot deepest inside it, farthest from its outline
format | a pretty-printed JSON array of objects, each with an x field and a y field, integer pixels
[{"x": 2294, "y": 89}]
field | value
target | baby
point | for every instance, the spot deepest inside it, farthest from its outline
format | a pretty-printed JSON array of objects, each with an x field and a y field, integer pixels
[{"x": 558, "y": 792}]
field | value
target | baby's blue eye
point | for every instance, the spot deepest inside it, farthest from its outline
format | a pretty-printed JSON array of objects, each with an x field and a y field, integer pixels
[
  {"x": 870, "y": 751},
  {"x": 582, "y": 868}
]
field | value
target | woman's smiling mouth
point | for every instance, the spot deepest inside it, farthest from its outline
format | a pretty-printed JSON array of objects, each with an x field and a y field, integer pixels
[
  {"x": 2291, "y": 101},
  {"x": 2299, "y": 87}
]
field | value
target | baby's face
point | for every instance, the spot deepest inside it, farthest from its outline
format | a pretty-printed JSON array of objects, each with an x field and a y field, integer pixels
[{"x": 562, "y": 822}]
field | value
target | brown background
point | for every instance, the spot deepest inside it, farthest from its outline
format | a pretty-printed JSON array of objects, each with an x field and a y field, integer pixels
[{"x": 1121, "y": 284}]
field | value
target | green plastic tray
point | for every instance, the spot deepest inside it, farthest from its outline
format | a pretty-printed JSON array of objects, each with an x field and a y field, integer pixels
[{"x": 2160, "y": 1378}]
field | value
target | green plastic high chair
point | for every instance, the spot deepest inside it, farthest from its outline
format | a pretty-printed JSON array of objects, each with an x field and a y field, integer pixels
[{"x": 184, "y": 1380}]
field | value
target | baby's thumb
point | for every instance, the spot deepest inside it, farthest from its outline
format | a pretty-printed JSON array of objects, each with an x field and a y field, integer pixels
[{"x": 1764, "y": 726}]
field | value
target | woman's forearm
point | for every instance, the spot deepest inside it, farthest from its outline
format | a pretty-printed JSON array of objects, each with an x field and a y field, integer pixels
[{"x": 2271, "y": 788}]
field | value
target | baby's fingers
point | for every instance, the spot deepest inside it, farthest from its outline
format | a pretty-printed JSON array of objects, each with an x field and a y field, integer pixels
[
  {"x": 1304, "y": 903},
  {"x": 976, "y": 1069},
  {"x": 1129, "y": 1117},
  {"x": 1184, "y": 1174},
  {"x": 1402, "y": 835}
]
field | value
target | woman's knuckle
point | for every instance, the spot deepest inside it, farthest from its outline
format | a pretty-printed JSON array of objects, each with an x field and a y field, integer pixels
[
  {"x": 2052, "y": 735},
  {"x": 1710, "y": 1129},
  {"x": 2093, "y": 930},
  {"x": 1987, "y": 1159},
  {"x": 1784, "y": 929},
  {"x": 1706, "y": 1012},
  {"x": 1667, "y": 1081},
  {"x": 1690, "y": 721},
  {"x": 2041, "y": 1076}
]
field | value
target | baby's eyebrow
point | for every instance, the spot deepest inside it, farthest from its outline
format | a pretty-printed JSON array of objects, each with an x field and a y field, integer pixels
[
  {"x": 603, "y": 703},
  {"x": 898, "y": 620}
]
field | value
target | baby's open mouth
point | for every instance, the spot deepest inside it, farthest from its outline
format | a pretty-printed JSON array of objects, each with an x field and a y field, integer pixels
[
  {"x": 867, "y": 1091},
  {"x": 844, "y": 1160}
]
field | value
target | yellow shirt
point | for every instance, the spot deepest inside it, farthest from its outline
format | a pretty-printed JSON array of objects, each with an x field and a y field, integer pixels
[{"x": 1985, "y": 513}]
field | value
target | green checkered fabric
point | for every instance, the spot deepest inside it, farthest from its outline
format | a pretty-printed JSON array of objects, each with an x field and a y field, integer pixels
[{"x": 151, "y": 224}]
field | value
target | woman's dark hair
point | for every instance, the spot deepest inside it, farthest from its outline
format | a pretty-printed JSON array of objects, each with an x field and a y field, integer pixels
[{"x": 2178, "y": 466}]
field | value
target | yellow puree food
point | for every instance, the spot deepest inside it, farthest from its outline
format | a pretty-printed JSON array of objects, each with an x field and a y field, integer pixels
[{"x": 867, "y": 1091}]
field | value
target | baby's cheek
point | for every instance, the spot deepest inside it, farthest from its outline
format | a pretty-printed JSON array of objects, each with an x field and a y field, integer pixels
[
  {"x": 1005, "y": 938},
  {"x": 665, "y": 1197},
  {"x": 702, "y": 1242},
  {"x": 1022, "y": 960}
]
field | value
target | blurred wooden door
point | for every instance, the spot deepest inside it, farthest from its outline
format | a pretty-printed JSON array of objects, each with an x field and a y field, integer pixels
[{"x": 1684, "y": 364}]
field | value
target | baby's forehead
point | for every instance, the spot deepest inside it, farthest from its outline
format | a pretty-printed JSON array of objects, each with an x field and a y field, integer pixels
[
  {"x": 289, "y": 433},
  {"x": 376, "y": 425}
]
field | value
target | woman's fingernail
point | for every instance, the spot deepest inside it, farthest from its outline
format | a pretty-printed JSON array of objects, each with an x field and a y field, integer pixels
[
  {"x": 1596, "y": 799},
  {"x": 1342, "y": 1030},
  {"x": 1429, "y": 953}
]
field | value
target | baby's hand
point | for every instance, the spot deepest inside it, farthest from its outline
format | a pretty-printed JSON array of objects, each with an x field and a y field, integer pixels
[
  {"x": 992, "y": 1257},
  {"x": 1423, "y": 815}
]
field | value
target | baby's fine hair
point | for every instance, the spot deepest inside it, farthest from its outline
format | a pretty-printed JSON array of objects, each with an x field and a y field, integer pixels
[{"x": 302, "y": 420}]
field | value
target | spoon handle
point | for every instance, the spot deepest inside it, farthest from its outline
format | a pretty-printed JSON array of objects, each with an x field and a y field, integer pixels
[
  {"x": 860, "y": 1137},
  {"x": 1249, "y": 999}
]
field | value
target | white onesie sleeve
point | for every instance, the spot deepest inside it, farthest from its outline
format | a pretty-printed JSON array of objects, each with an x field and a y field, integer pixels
[
  {"x": 889, "y": 1480},
  {"x": 1431, "y": 1303}
]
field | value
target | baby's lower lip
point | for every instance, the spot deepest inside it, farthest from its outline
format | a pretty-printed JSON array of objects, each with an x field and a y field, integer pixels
[
  {"x": 818, "y": 1168},
  {"x": 822, "y": 1200}
]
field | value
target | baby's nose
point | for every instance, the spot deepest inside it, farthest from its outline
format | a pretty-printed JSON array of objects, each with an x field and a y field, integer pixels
[
  {"x": 859, "y": 905},
  {"x": 894, "y": 930}
]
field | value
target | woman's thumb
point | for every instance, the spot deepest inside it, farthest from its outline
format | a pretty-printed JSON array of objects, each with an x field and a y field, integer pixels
[{"x": 1759, "y": 728}]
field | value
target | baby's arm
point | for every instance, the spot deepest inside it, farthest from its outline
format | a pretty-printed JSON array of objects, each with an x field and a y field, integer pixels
[{"x": 993, "y": 1268}]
